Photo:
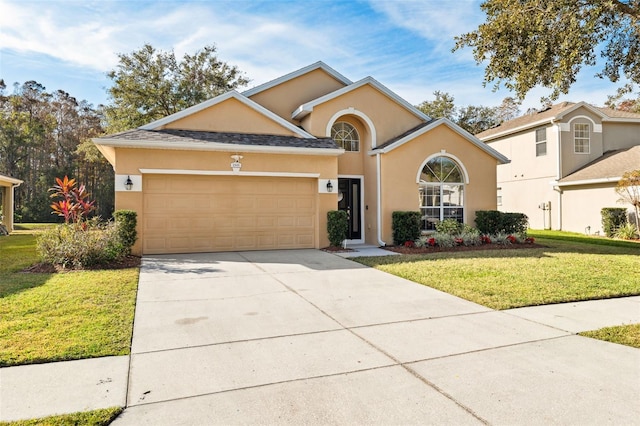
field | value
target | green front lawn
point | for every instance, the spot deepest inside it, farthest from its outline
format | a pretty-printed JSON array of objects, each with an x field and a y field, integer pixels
[
  {"x": 623, "y": 334},
  {"x": 88, "y": 418},
  {"x": 63, "y": 316},
  {"x": 569, "y": 268}
]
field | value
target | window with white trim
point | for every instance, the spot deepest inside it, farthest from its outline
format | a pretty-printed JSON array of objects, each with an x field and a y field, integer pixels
[
  {"x": 541, "y": 142},
  {"x": 346, "y": 136},
  {"x": 581, "y": 138},
  {"x": 441, "y": 192}
]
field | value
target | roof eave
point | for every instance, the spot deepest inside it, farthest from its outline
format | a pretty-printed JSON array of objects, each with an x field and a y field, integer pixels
[
  {"x": 218, "y": 99},
  {"x": 216, "y": 146},
  {"x": 302, "y": 71},
  {"x": 444, "y": 121},
  {"x": 612, "y": 179},
  {"x": 307, "y": 108}
]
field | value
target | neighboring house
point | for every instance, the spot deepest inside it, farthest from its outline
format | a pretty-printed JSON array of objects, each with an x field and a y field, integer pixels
[
  {"x": 7, "y": 186},
  {"x": 261, "y": 169},
  {"x": 565, "y": 163}
]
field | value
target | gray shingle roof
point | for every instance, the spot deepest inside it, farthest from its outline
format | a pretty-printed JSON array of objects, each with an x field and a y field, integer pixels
[
  {"x": 183, "y": 136},
  {"x": 612, "y": 164}
]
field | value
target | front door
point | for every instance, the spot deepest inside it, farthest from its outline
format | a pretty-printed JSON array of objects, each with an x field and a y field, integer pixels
[{"x": 349, "y": 201}]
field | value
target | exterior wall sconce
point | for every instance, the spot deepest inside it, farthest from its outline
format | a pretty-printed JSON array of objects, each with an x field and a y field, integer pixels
[
  {"x": 128, "y": 184},
  {"x": 329, "y": 186}
]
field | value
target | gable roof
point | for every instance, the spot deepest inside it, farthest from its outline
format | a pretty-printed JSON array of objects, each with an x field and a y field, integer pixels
[
  {"x": 309, "y": 68},
  {"x": 425, "y": 127},
  {"x": 307, "y": 108},
  {"x": 219, "y": 141},
  {"x": 551, "y": 114},
  {"x": 608, "y": 168},
  {"x": 154, "y": 125}
]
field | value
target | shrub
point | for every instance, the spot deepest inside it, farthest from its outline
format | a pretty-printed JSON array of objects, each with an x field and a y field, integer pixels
[
  {"x": 494, "y": 222},
  {"x": 470, "y": 238},
  {"x": 406, "y": 226},
  {"x": 79, "y": 245},
  {"x": 501, "y": 238},
  {"x": 444, "y": 240},
  {"x": 628, "y": 231},
  {"x": 337, "y": 227},
  {"x": 126, "y": 221},
  {"x": 612, "y": 219},
  {"x": 448, "y": 226}
]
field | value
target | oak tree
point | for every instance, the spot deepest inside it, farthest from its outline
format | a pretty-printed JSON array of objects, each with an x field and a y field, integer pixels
[
  {"x": 546, "y": 42},
  {"x": 149, "y": 84}
]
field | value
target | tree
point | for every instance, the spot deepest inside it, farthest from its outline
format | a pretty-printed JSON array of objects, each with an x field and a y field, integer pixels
[
  {"x": 150, "y": 84},
  {"x": 44, "y": 135},
  {"x": 547, "y": 42},
  {"x": 629, "y": 190},
  {"x": 474, "y": 119},
  {"x": 441, "y": 107}
]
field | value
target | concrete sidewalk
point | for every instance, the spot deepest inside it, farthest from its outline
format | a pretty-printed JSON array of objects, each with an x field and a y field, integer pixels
[{"x": 304, "y": 336}]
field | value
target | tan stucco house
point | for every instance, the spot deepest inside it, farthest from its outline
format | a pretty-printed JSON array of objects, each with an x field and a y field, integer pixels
[
  {"x": 565, "y": 163},
  {"x": 261, "y": 169},
  {"x": 7, "y": 188}
]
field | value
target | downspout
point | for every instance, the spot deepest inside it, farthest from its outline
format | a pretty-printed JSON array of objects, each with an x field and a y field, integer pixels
[
  {"x": 559, "y": 176},
  {"x": 379, "y": 206}
]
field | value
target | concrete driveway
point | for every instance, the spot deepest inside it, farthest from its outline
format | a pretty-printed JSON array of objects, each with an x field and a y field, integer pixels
[{"x": 307, "y": 337}]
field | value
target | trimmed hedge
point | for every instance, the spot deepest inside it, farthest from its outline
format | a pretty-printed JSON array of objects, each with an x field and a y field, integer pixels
[
  {"x": 406, "y": 226},
  {"x": 492, "y": 222},
  {"x": 612, "y": 219},
  {"x": 126, "y": 221},
  {"x": 337, "y": 227}
]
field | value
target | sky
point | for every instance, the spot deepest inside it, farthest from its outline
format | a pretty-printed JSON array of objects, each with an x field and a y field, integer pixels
[{"x": 406, "y": 45}]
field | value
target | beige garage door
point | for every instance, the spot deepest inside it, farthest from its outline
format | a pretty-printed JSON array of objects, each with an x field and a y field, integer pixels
[{"x": 185, "y": 214}]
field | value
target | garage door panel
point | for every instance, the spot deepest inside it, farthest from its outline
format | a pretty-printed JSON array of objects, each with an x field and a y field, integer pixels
[{"x": 223, "y": 213}]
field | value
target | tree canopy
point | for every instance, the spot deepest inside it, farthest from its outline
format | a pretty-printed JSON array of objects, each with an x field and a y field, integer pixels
[
  {"x": 44, "y": 135},
  {"x": 546, "y": 42},
  {"x": 150, "y": 84},
  {"x": 472, "y": 118}
]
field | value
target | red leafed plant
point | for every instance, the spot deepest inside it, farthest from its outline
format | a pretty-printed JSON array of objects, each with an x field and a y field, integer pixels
[
  {"x": 512, "y": 239},
  {"x": 432, "y": 242},
  {"x": 485, "y": 239},
  {"x": 73, "y": 203},
  {"x": 409, "y": 244},
  {"x": 530, "y": 240}
]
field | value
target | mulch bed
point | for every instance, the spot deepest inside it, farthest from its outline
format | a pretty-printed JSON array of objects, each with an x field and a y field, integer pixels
[
  {"x": 484, "y": 247},
  {"x": 47, "y": 268}
]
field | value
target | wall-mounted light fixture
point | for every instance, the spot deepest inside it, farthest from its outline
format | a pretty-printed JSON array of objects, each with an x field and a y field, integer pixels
[
  {"x": 329, "y": 186},
  {"x": 128, "y": 184}
]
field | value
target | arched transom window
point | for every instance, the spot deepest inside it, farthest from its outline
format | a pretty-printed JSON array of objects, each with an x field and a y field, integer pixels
[
  {"x": 346, "y": 136},
  {"x": 441, "y": 192}
]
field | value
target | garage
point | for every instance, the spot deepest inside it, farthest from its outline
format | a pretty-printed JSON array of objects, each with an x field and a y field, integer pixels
[{"x": 191, "y": 213}]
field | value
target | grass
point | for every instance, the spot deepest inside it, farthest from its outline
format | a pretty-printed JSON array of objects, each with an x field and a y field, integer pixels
[
  {"x": 624, "y": 334},
  {"x": 582, "y": 238},
  {"x": 64, "y": 316},
  {"x": 570, "y": 268},
  {"x": 101, "y": 417}
]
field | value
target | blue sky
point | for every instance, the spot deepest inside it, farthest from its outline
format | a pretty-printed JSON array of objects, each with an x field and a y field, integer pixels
[{"x": 406, "y": 45}]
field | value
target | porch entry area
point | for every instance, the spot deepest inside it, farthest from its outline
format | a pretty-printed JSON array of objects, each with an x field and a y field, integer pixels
[{"x": 350, "y": 200}]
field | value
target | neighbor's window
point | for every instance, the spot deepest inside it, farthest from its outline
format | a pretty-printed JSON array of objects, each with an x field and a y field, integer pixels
[
  {"x": 581, "y": 138},
  {"x": 345, "y": 136},
  {"x": 499, "y": 197},
  {"x": 541, "y": 142},
  {"x": 441, "y": 192}
]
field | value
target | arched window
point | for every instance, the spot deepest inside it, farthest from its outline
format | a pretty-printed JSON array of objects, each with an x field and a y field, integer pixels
[
  {"x": 345, "y": 136},
  {"x": 441, "y": 192}
]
